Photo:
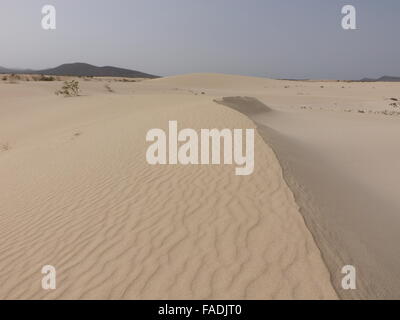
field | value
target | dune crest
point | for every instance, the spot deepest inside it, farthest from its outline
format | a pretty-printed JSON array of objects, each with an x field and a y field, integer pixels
[{"x": 337, "y": 167}]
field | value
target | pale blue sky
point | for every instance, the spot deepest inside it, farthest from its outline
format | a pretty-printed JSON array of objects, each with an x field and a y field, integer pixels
[{"x": 273, "y": 38}]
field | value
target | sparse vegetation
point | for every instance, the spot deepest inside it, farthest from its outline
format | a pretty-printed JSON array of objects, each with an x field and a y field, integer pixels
[
  {"x": 35, "y": 78},
  {"x": 13, "y": 78},
  {"x": 41, "y": 78},
  {"x": 108, "y": 87},
  {"x": 46, "y": 78},
  {"x": 4, "y": 147},
  {"x": 69, "y": 89}
]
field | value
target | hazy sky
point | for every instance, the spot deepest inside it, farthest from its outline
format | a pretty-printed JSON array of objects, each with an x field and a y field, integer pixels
[{"x": 273, "y": 38}]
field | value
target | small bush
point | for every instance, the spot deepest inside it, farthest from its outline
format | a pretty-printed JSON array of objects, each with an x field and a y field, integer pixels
[
  {"x": 69, "y": 89},
  {"x": 4, "y": 147},
  {"x": 13, "y": 78},
  {"x": 46, "y": 78},
  {"x": 109, "y": 89}
]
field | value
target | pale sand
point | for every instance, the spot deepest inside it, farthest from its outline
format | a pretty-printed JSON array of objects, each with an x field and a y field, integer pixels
[
  {"x": 77, "y": 193},
  {"x": 342, "y": 167}
]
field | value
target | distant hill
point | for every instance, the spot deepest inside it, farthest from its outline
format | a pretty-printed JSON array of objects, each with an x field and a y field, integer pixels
[
  {"x": 382, "y": 79},
  {"x": 5, "y": 70},
  {"x": 84, "y": 69}
]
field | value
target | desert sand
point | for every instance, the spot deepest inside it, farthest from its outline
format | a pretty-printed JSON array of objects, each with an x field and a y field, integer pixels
[
  {"x": 77, "y": 193},
  {"x": 338, "y": 145}
]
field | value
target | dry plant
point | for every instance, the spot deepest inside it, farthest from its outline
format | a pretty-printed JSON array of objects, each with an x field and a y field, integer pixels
[
  {"x": 108, "y": 87},
  {"x": 4, "y": 147},
  {"x": 69, "y": 89},
  {"x": 13, "y": 78}
]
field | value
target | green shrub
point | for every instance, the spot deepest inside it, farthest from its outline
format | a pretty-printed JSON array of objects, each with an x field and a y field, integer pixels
[{"x": 69, "y": 89}]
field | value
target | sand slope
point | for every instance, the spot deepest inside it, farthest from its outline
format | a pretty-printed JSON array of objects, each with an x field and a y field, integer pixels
[
  {"x": 341, "y": 167},
  {"x": 77, "y": 193}
]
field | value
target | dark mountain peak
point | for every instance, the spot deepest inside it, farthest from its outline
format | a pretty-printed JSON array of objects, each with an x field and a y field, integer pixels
[
  {"x": 85, "y": 69},
  {"x": 382, "y": 79},
  {"x": 80, "y": 69},
  {"x": 4, "y": 70},
  {"x": 389, "y": 78}
]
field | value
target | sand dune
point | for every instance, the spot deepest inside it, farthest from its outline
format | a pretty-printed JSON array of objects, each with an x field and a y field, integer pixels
[
  {"x": 342, "y": 170},
  {"x": 77, "y": 193}
]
